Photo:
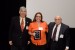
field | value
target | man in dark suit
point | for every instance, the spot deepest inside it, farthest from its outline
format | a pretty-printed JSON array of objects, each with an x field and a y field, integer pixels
[
  {"x": 18, "y": 32},
  {"x": 58, "y": 35}
]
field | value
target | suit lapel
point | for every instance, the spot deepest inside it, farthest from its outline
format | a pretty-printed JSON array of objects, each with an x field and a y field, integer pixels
[
  {"x": 52, "y": 28},
  {"x": 25, "y": 23},
  {"x": 17, "y": 20},
  {"x": 19, "y": 23},
  {"x": 61, "y": 30}
]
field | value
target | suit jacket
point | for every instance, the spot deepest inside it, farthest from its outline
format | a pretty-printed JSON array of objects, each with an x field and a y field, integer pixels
[
  {"x": 62, "y": 42},
  {"x": 18, "y": 37}
]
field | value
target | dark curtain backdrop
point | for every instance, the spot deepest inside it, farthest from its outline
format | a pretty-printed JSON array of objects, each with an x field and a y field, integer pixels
[{"x": 11, "y": 9}]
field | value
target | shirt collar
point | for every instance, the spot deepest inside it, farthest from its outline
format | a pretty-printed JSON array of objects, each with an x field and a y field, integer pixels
[
  {"x": 58, "y": 25},
  {"x": 22, "y": 18}
]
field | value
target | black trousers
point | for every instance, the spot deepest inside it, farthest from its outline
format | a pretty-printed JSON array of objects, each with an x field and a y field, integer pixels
[
  {"x": 53, "y": 45},
  {"x": 18, "y": 48},
  {"x": 34, "y": 47}
]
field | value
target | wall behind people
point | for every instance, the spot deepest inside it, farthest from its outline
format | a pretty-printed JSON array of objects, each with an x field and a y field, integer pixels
[{"x": 52, "y": 8}]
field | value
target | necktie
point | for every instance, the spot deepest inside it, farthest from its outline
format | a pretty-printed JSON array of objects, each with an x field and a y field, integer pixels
[
  {"x": 22, "y": 25},
  {"x": 54, "y": 34}
]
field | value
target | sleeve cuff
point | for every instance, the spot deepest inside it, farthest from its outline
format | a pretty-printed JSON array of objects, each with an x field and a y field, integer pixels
[{"x": 67, "y": 47}]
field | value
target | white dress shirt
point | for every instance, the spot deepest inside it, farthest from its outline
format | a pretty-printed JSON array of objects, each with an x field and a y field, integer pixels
[
  {"x": 57, "y": 33},
  {"x": 21, "y": 20}
]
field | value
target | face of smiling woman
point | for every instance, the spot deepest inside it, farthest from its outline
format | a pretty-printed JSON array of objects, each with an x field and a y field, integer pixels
[{"x": 38, "y": 18}]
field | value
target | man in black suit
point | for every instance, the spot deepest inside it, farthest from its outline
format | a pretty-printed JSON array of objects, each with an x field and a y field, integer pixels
[
  {"x": 58, "y": 35},
  {"x": 18, "y": 32}
]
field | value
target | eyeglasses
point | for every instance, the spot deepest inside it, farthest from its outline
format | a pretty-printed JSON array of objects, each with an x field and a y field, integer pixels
[
  {"x": 38, "y": 16},
  {"x": 57, "y": 19}
]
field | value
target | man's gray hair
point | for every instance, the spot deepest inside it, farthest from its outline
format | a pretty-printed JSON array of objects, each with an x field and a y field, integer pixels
[{"x": 22, "y": 7}]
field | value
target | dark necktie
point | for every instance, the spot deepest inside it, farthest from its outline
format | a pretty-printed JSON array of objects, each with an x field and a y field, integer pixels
[{"x": 54, "y": 34}]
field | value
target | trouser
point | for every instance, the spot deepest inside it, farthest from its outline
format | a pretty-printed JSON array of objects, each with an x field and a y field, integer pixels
[
  {"x": 18, "y": 48},
  {"x": 53, "y": 45},
  {"x": 34, "y": 47}
]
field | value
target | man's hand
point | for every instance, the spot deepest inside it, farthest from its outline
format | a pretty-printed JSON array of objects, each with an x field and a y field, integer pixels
[
  {"x": 33, "y": 34},
  {"x": 28, "y": 42},
  {"x": 10, "y": 43},
  {"x": 66, "y": 49}
]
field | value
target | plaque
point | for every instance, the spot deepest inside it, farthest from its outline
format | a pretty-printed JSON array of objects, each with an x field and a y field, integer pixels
[{"x": 37, "y": 34}]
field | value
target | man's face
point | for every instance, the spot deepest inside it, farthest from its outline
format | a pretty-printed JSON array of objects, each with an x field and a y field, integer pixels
[
  {"x": 22, "y": 12},
  {"x": 58, "y": 20}
]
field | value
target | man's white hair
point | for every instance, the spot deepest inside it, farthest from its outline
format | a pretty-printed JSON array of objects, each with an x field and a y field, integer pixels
[{"x": 22, "y": 8}]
